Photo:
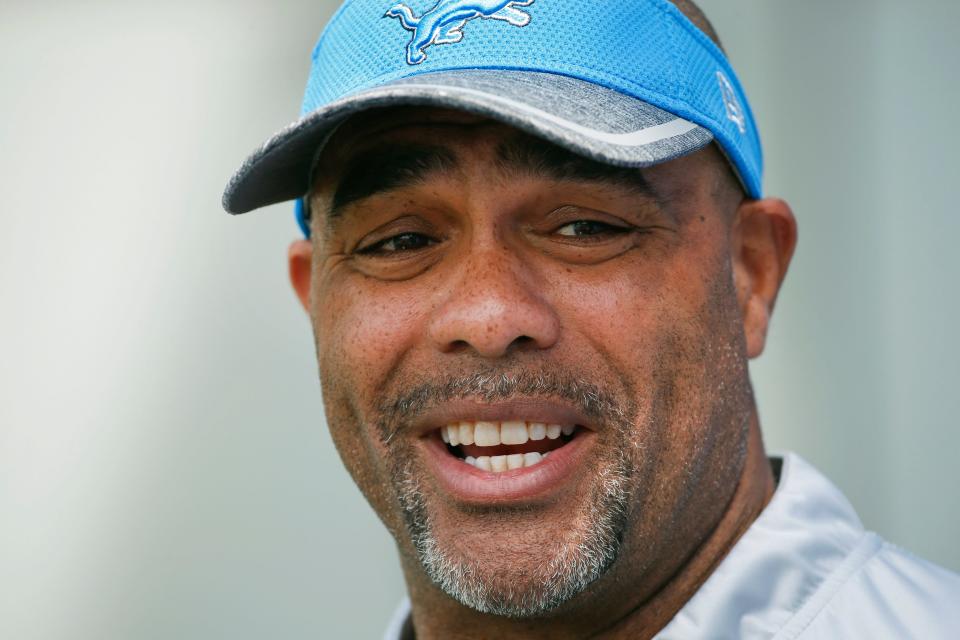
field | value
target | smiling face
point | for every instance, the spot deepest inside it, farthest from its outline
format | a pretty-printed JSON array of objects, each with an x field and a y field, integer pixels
[{"x": 533, "y": 365}]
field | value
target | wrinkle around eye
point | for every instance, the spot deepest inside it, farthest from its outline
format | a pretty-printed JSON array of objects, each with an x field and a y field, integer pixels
[
  {"x": 395, "y": 265},
  {"x": 613, "y": 237}
]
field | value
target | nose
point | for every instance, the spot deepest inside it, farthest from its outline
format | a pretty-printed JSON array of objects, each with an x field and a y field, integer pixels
[{"x": 493, "y": 307}]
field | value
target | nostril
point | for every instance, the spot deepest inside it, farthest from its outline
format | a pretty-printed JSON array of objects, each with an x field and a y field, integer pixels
[
  {"x": 522, "y": 342},
  {"x": 459, "y": 345}
]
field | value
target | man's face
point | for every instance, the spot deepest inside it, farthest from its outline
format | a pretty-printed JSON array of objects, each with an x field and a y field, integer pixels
[{"x": 466, "y": 274}]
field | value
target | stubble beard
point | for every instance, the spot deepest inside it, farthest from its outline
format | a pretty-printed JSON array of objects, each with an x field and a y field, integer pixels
[{"x": 562, "y": 570}]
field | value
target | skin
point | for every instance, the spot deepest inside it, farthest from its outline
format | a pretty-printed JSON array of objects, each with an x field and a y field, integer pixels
[{"x": 662, "y": 314}]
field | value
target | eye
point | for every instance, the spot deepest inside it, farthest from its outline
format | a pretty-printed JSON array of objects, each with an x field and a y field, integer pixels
[
  {"x": 400, "y": 243},
  {"x": 589, "y": 228}
]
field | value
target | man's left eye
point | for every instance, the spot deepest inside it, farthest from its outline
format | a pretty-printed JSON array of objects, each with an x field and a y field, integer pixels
[{"x": 588, "y": 228}]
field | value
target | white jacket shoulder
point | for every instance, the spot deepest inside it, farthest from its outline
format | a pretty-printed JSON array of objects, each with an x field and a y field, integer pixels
[{"x": 894, "y": 594}]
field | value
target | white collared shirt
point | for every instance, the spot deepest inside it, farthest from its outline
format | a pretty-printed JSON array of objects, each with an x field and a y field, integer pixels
[{"x": 806, "y": 569}]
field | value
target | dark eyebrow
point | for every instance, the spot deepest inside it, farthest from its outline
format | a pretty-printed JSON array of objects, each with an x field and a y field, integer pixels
[
  {"x": 390, "y": 166},
  {"x": 387, "y": 167},
  {"x": 533, "y": 156}
]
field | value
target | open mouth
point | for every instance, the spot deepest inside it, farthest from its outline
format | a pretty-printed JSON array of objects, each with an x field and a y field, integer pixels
[{"x": 504, "y": 446}]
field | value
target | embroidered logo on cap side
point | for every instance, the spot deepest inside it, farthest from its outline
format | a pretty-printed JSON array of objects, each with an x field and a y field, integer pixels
[
  {"x": 443, "y": 24},
  {"x": 734, "y": 110}
]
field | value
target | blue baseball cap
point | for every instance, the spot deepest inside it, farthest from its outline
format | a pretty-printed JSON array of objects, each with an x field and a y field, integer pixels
[{"x": 630, "y": 83}]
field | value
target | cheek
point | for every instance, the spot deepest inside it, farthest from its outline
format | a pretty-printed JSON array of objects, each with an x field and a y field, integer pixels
[
  {"x": 663, "y": 326},
  {"x": 362, "y": 334},
  {"x": 363, "y": 330},
  {"x": 630, "y": 307}
]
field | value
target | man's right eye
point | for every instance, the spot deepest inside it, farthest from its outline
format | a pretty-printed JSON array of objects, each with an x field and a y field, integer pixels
[{"x": 400, "y": 243}]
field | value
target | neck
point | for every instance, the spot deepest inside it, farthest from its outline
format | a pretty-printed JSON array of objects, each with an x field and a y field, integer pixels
[
  {"x": 753, "y": 492},
  {"x": 653, "y": 607}
]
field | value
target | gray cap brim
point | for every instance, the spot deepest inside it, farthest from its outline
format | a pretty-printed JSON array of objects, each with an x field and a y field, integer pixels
[{"x": 588, "y": 119}]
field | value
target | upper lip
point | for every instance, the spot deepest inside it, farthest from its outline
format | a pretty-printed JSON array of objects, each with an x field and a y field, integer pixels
[{"x": 546, "y": 410}]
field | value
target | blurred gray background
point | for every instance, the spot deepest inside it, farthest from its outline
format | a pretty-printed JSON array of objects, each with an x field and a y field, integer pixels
[{"x": 165, "y": 470}]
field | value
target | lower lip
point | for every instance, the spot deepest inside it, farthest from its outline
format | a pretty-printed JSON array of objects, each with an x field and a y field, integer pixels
[{"x": 469, "y": 484}]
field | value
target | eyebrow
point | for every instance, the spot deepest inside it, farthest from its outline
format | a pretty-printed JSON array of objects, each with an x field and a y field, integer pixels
[
  {"x": 391, "y": 166},
  {"x": 387, "y": 167},
  {"x": 535, "y": 157}
]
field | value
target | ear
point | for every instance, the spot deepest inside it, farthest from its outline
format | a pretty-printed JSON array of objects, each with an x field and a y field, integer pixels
[
  {"x": 764, "y": 236},
  {"x": 300, "y": 267}
]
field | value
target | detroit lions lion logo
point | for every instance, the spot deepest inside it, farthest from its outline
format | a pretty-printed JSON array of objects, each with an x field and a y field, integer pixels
[{"x": 443, "y": 24}]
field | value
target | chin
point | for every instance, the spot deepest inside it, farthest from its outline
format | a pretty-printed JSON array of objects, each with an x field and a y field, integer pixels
[{"x": 524, "y": 569}]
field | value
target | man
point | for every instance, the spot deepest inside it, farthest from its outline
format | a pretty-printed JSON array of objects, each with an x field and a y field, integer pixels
[{"x": 538, "y": 261}]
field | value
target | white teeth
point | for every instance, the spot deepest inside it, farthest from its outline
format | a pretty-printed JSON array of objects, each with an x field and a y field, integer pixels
[
  {"x": 515, "y": 461},
  {"x": 513, "y": 433},
  {"x": 538, "y": 430},
  {"x": 498, "y": 464},
  {"x": 508, "y": 432},
  {"x": 466, "y": 433},
  {"x": 486, "y": 434},
  {"x": 532, "y": 458}
]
